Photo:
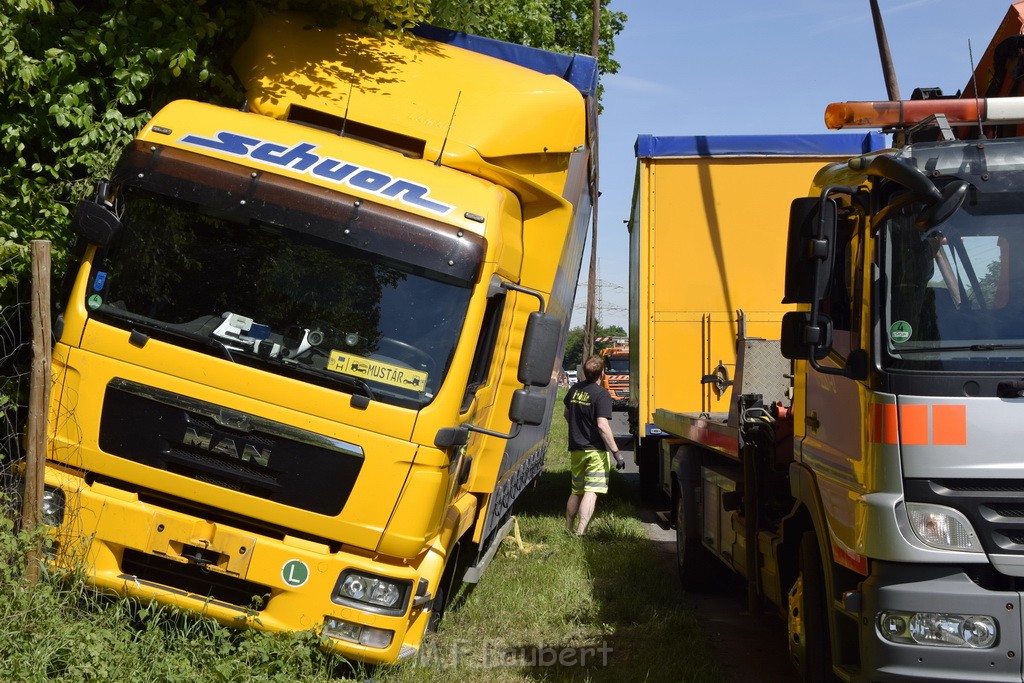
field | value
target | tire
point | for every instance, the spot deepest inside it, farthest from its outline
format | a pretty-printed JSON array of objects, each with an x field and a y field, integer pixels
[
  {"x": 437, "y": 608},
  {"x": 445, "y": 590},
  {"x": 810, "y": 645},
  {"x": 647, "y": 462},
  {"x": 696, "y": 563}
]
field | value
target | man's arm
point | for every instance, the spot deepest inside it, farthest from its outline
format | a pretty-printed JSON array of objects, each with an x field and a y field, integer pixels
[{"x": 605, "y": 429}]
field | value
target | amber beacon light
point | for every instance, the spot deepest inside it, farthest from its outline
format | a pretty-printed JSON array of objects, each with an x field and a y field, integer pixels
[{"x": 902, "y": 113}]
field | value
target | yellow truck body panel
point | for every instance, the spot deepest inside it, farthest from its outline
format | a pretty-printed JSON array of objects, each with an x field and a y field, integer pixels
[{"x": 707, "y": 238}]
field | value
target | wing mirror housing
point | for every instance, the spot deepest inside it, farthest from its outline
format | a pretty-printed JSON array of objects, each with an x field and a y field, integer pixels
[
  {"x": 810, "y": 251},
  {"x": 528, "y": 408},
  {"x": 95, "y": 223},
  {"x": 540, "y": 348},
  {"x": 799, "y": 336}
]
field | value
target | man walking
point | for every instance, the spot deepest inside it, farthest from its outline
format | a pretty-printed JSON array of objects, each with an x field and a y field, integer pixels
[{"x": 588, "y": 409}]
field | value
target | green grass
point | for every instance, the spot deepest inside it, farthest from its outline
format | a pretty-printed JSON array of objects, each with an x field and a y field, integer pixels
[
  {"x": 607, "y": 603},
  {"x": 551, "y": 608}
]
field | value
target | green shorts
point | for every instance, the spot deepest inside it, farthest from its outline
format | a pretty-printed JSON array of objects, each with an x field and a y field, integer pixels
[{"x": 589, "y": 471}]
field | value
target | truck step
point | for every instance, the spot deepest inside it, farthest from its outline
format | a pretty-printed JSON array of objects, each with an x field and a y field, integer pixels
[{"x": 664, "y": 519}]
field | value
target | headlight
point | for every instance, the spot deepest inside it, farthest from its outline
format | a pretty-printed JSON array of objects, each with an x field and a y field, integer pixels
[
  {"x": 942, "y": 527},
  {"x": 362, "y": 590},
  {"x": 356, "y": 633},
  {"x": 941, "y": 630},
  {"x": 53, "y": 506}
]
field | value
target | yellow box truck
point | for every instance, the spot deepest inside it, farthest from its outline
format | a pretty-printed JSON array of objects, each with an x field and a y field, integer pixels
[
  {"x": 707, "y": 237},
  {"x": 305, "y": 366}
]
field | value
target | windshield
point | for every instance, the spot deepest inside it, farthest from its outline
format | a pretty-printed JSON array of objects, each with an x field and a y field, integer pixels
[
  {"x": 616, "y": 365},
  {"x": 291, "y": 302},
  {"x": 956, "y": 292}
]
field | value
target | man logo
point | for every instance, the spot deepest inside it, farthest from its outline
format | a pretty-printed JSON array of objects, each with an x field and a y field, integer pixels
[{"x": 226, "y": 446}]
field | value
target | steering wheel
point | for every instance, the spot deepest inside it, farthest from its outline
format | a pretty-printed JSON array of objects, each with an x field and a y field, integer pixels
[{"x": 415, "y": 357}]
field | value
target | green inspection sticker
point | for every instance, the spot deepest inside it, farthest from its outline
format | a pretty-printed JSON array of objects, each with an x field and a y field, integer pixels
[
  {"x": 294, "y": 573},
  {"x": 900, "y": 331},
  {"x": 94, "y": 302}
]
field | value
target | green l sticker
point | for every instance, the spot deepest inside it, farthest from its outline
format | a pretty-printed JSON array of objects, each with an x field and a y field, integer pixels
[{"x": 294, "y": 573}]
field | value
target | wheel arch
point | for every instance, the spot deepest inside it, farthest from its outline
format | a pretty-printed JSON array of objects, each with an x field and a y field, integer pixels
[{"x": 809, "y": 515}]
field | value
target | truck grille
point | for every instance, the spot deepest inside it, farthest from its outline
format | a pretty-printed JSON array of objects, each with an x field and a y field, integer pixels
[
  {"x": 995, "y": 507},
  {"x": 229, "y": 449},
  {"x": 192, "y": 579}
]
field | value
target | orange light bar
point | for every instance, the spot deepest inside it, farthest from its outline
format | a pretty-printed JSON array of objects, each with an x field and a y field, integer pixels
[{"x": 903, "y": 113}]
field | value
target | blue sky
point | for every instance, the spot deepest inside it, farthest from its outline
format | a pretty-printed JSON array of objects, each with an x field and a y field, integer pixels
[{"x": 690, "y": 67}]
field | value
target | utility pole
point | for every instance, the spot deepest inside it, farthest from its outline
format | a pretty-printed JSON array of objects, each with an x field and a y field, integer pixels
[
  {"x": 590, "y": 326},
  {"x": 892, "y": 88}
]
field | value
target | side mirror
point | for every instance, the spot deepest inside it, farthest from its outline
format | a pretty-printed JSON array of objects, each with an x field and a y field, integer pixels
[
  {"x": 810, "y": 250},
  {"x": 95, "y": 223},
  {"x": 527, "y": 408},
  {"x": 798, "y": 336},
  {"x": 953, "y": 196},
  {"x": 540, "y": 347}
]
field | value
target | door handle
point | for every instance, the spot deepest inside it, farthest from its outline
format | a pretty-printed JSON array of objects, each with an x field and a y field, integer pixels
[{"x": 812, "y": 421}]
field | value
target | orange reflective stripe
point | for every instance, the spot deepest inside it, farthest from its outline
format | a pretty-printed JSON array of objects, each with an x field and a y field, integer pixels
[
  {"x": 909, "y": 425},
  {"x": 949, "y": 425},
  {"x": 884, "y": 424},
  {"x": 914, "y": 425}
]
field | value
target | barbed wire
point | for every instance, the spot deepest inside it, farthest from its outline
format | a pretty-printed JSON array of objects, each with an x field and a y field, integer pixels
[{"x": 15, "y": 355}]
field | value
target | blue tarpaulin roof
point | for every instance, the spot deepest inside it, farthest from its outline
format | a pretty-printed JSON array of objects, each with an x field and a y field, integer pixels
[
  {"x": 579, "y": 70},
  {"x": 835, "y": 144}
]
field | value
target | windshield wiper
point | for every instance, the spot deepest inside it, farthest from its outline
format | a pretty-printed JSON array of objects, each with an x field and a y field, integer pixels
[
  {"x": 348, "y": 380},
  {"x": 187, "y": 335}
]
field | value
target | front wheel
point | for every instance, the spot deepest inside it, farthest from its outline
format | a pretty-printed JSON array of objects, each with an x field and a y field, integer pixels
[
  {"x": 445, "y": 589},
  {"x": 810, "y": 646}
]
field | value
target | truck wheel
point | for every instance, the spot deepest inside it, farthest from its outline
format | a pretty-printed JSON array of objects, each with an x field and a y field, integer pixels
[
  {"x": 809, "y": 644},
  {"x": 696, "y": 563},
  {"x": 647, "y": 463},
  {"x": 445, "y": 589}
]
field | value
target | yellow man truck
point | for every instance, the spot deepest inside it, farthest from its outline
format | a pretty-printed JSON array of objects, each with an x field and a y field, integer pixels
[
  {"x": 305, "y": 365},
  {"x": 877, "y": 502}
]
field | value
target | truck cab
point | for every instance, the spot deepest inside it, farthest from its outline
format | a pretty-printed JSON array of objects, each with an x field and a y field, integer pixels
[{"x": 616, "y": 372}]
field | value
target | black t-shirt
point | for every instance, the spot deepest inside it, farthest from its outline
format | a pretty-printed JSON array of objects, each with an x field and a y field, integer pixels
[{"x": 587, "y": 401}]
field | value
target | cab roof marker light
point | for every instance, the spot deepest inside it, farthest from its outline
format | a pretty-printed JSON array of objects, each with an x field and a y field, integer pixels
[{"x": 905, "y": 113}]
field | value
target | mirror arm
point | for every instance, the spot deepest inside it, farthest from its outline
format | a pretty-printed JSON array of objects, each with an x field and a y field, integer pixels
[
  {"x": 824, "y": 369},
  {"x": 526, "y": 290},
  {"x": 516, "y": 428},
  {"x": 458, "y": 436}
]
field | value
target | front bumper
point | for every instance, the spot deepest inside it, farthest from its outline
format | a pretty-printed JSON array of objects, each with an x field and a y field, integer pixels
[
  {"x": 945, "y": 589},
  {"x": 152, "y": 552}
]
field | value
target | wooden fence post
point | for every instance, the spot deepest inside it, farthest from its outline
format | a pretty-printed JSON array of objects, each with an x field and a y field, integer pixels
[{"x": 39, "y": 401}]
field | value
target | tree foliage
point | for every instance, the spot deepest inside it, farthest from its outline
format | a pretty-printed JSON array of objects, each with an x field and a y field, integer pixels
[{"x": 561, "y": 25}]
